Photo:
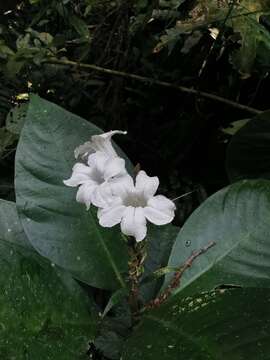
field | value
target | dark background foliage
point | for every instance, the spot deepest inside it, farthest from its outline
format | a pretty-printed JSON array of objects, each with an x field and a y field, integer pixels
[{"x": 217, "y": 46}]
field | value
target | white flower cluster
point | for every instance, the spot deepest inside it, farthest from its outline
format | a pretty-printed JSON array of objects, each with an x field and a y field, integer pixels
[{"x": 104, "y": 182}]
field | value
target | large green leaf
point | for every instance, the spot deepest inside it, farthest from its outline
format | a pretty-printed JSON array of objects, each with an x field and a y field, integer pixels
[
  {"x": 56, "y": 225},
  {"x": 44, "y": 314},
  {"x": 248, "y": 154},
  {"x": 237, "y": 219},
  {"x": 214, "y": 326}
]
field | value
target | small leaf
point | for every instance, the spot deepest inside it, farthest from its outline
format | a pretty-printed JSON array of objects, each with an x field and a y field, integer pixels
[
  {"x": 116, "y": 297},
  {"x": 158, "y": 274},
  {"x": 80, "y": 26},
  {"x": 235, "y": 126}
]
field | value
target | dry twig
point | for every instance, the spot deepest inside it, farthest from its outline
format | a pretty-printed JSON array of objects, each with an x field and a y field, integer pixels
[
  {"x": 177, "y": 277},
  {"x": 152, "y": 81}
]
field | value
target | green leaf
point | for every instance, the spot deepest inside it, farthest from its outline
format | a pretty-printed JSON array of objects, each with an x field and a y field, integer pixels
[
  {"x": 5, "y": 51},
  {"x": 44, "y": 314},
  {"x": 57, "y": 226},
  {"x": 11, "y": 229},
  {"x": 15, "y": 118},
  {"x": 242, "y": 17},
  {"x": 255, "y": 39},
  {"x": 235, "y": 126},
  {"x": 237, "y": 220},
  {"x": 114, "y": 300},
  {"x": 114, "y": 330},
  {"x": 214, "y": 326},
  {"x": 248, "y": 154},
  {"x": 80, "y": 26},
  {"x": 160, "y": 240}
]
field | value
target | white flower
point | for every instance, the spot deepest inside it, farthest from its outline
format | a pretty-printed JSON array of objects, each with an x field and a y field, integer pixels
[
  {"x": 96, "y": 179},
  {"x": 98, "y": 143},
  {"x": 133, "y": 205}
]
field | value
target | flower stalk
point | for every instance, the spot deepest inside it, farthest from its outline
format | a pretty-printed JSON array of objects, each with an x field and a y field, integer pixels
[
  {"x": 177, "y": 277},
  {"x": 137, "y": 255}
]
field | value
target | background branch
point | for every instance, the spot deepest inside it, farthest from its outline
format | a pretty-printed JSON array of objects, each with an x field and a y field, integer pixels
[{"x": 152, "y": 81}]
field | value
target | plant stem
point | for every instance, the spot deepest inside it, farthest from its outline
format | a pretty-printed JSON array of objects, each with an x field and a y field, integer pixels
[
  {"x": 177, "y": 277},
  {"x": 152, "y": 81},
  {"x": 137, "y": 257}
]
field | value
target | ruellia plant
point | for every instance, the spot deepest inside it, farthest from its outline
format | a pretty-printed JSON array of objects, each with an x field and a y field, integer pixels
[{"x": 92, "y": 268}]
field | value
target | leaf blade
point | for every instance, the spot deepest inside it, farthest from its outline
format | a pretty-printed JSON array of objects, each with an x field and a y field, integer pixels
[
  {"x": 57, "y": 226},
  {"x": 207, "y": 326},
  {"x": 42, "y": 305},
  {"x": 235, "y": 218}
]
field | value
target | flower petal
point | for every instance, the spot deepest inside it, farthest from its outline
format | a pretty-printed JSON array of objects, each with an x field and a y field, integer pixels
[
  {"x": 159, "y": 210},
  {"x": 83, "y": 150},
  {"x": 80, "y": 174},
  {"x": 161, "y": 202},
  {"x": 114, "y": 167},
  {"x": 103, "y": 142},
  {"x": 102, "y": 195},
  {"x": 111, "y": 216},
  {"x": 147, "y": 185},
  {"x": 134, "y": 223},
  {"x": 98, "y": 143},
  {"x": 84, "y": 194},
  {"x": 97, "y": 161},
  {"x": 122, "y": 186}
]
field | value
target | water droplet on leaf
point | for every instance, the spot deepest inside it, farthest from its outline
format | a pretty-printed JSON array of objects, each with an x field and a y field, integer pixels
[{"x": 187, "y": 243}]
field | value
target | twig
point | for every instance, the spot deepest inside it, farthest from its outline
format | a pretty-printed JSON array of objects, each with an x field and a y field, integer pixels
[
  {"x": 177, "y": 277},
  {"x": 152, "y": 81}
]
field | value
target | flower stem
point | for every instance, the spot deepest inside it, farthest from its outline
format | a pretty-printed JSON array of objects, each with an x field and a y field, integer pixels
[
  {"x": 177, "y": 277},
  {"x": 137, "y": 255}
]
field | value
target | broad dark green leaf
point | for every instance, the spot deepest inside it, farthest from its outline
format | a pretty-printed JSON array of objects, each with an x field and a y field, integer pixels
[
  {"x": 44, "y": 314},
  {"x": 248, "y": 154},
  {"x": 57, "y": 226},
  {"x": 237, "y": 220},
  {"x": 214, "y": 326},
  {"x": 11, "y": 229}
]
